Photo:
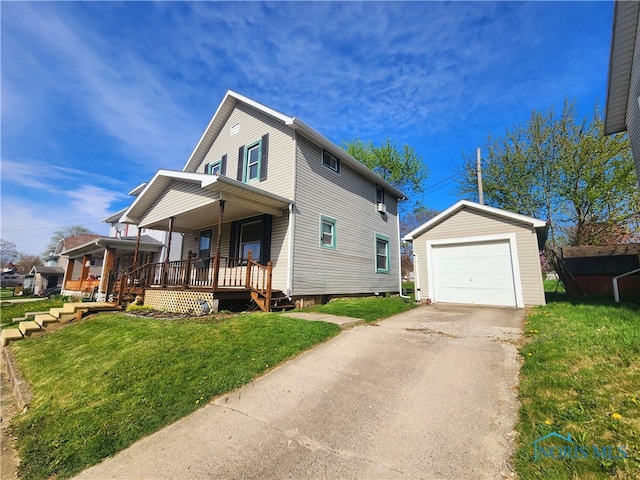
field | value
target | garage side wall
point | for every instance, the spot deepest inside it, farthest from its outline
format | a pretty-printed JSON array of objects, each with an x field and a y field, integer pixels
[{"x": 472, "y": 223}]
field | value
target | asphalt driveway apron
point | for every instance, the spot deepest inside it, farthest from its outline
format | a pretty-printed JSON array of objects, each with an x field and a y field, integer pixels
[{"x": 430, "y": 393}]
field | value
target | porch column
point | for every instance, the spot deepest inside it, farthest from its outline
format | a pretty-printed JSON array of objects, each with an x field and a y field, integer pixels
[
  {"x": 68, "y": 274},
  {"x": 166, "y": 257},
  {"x": 135, "y": 253},
  {"x": 86, "y": 259},
  {"x": 107, "y": 267},
  {"x": 216, "y": 260},
  {"x": 219, "y": 239}
]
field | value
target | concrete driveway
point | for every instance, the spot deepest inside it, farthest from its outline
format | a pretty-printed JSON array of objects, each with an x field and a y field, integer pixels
[{"x": 430, "y": 394}]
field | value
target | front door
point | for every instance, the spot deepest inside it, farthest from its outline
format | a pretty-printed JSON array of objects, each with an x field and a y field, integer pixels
[{"x": 204, "y": 247}]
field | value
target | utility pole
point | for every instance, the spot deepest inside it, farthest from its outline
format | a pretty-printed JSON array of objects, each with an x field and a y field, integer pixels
[{"x": 479, "y": 171}]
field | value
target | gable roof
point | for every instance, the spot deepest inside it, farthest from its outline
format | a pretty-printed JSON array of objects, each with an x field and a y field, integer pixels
[
  {"x": 68, "y": 243},
  {"x": 623, "y": 41},
  {"x": 534, "y": 222},
  {"x": 227, "y": 106},
  {"x": 46, "y": 270}
]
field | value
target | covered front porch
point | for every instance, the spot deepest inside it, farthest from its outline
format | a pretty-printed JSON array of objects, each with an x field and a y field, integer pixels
[{"x": 227, "y": 229}]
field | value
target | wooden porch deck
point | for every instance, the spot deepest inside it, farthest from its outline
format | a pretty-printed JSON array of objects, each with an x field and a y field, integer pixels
[{"x": 225, "y": 277}]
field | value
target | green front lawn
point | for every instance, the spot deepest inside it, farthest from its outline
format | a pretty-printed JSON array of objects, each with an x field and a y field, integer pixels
[
  {"x": 369, "y": 309},
  {"x": 580, "y": 376},
  {"x": 106, "y": 382}
]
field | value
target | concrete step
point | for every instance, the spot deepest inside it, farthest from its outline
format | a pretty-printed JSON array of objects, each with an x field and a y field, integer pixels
[
  {"x": 43, "y": 319},
  {"x": 9, "y": 335},
  {"x": 26, "y": 328},
  {"x": 27, "y": 316}
]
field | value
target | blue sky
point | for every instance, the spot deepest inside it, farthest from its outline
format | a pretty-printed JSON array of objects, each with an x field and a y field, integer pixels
[{"x": 98, "y": 96}]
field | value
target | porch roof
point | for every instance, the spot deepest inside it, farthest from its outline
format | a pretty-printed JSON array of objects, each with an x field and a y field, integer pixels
[
  {"x": 190, "y": 198},
  {"x": 147, "y": 244}
]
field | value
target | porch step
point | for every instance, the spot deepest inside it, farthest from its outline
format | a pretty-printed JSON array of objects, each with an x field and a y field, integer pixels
[
  {"x": 9, "y": 335},
  {"x": 27, "y": 316},
  {"x": 71, "y": 311},
  {"x": 279, "y": 301},
  {"x": 27, "y": 327},
  {"x": 43, "y": 319}
]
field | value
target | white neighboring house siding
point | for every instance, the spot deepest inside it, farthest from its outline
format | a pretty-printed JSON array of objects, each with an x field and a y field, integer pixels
[
  {"x": 472, "y": 223},
  {"x": 253, "y": 124},
  {"x": 350, "y": 199}
]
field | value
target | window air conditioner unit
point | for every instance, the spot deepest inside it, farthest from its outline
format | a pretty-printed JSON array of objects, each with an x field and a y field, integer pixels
[{"x": 382, "y": 208}]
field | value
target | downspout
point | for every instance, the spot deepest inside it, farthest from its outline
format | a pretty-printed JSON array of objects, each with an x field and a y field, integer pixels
[
  {"x": 292, "y": 221},
  {"x": 399, "y": 251},
  {"x": 616, "y": 292},
  {"x": 416, "y": 281}
]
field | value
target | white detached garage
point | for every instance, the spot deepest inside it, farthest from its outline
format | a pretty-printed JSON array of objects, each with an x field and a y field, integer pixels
[{"x": 476, "y": 254}]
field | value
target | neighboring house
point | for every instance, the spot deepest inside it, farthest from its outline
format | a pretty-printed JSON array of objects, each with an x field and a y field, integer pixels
[
  {"x": 11, "y": 278},
  {"x": 41, "y": 277},
  {"x": 91, "y": 266},
  {"x": 476, "y": 254},
  {"x": 623, "y": 92},
  {"x": 316, "y": 222}
]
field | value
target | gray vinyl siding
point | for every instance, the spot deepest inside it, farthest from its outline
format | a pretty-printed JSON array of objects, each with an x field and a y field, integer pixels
[
  {"x": 470, "y": 223},
  {"x": 350, "y": 199},
  {"x": 633, "y": 109},
  {"x": 178, "y": 197},
  {"x": 280, "y": 251},
  {"x": 253, "y": 125}
]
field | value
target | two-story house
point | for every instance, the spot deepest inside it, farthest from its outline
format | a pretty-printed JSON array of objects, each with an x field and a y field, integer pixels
[{"x": 265, "y": 199}]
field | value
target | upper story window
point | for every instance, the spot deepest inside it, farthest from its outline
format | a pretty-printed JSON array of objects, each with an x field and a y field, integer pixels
[
  {"x": 330, "y": 161},
  {"x": 379, "y": 194},
  {"x": 252, "y": 161},
  {"x": 217, "y": 168}
]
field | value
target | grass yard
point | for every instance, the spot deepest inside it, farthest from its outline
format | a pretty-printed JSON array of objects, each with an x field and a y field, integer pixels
[
  {"x": 553, "y": 286},
  {"x": 106, "y": 382},
  {"x": 580, "y": 376},
  {"x": 369, "y": 309},
  {"x": 9, "y": 311}
]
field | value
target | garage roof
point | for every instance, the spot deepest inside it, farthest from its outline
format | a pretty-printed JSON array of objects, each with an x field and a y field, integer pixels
[{"x": 534, "y": 222}]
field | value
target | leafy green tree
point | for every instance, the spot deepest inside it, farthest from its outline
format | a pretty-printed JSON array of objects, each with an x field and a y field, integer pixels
[
  {"x": 401, "y": 167},
  {"x": 63, "y": 233},
  {"x": 563, "y": 169}
]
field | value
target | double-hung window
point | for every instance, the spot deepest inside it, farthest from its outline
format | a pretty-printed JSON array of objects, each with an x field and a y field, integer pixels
[
  {"x": 218, "y": 167},
  {"x": 252, "y": 162},
  {"x": 382, "y": 254},
  {"x": 328, "y": 232},
  {"x": 213, "y": 168}
]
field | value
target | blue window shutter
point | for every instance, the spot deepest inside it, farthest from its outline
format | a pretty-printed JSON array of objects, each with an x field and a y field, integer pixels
[
  {"x": 265, "y": 154},
  {"x": 240, "y": 163},
  {"x": 223, "y": 165},
  {"x": 206, "y": 167}
]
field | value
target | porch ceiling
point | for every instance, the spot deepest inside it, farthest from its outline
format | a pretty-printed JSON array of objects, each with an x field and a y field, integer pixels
[{"x": 192, "y": 199}]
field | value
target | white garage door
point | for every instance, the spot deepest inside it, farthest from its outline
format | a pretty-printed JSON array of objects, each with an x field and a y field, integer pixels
[{"x": 479, "y": 273}]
